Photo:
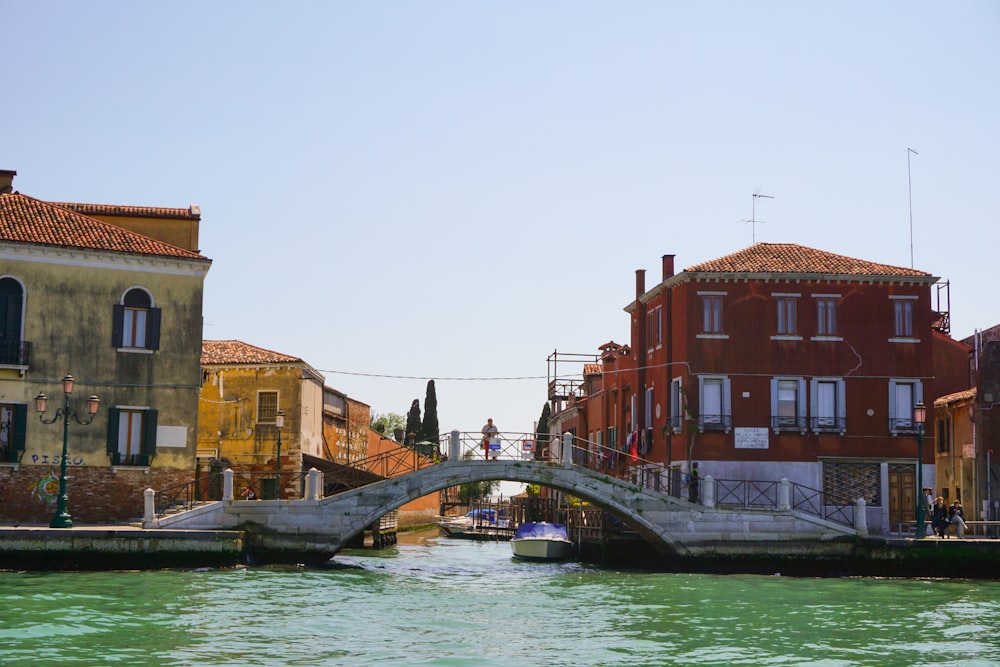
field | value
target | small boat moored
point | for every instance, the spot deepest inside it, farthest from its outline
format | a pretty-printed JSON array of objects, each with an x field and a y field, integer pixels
[
  {"x": 474, "y": 524},
  {"x": 541, "y": 541}
]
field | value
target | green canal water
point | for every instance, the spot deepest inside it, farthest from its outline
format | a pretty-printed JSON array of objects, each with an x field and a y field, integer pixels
[{"x": 436, "y": 601}]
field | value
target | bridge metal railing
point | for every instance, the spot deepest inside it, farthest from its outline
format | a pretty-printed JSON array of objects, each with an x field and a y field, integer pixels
[
  {"x": 247, "y": 485},
  {"x": 764, "y": 494},
  {"x": 390, "y": 463}
]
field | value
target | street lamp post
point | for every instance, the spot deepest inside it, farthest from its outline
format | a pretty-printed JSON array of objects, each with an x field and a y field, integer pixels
[
  {"x": 62, "y": 519},
  {"x": 919, "y": 416},
  {"x": 279, "y": 423}
]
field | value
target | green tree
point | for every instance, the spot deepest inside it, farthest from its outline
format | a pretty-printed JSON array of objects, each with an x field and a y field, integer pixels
[
  {"x": 542, "y": 430},
  {"x": 386, "y": 423},
  {"x": 429, "y": 428},
  {"x": 412, "y": 423}
]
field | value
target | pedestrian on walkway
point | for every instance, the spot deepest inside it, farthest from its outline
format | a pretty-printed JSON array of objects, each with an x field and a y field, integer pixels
[
  {"x": 957, "y": 517},
  {"x": 693, "y": 483},
  {"x": 939, "y": 517},
  {"x": 489, "y": 433}
]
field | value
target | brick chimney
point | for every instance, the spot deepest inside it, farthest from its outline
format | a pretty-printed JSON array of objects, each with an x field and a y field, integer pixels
[
  {"x": 7, "y": 181},
  {"x": 668, "y": 266}
]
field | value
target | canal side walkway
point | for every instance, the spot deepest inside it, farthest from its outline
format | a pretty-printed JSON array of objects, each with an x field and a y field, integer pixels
[
  {"x": 124, "y": 547},
  {"x": 117, "y": 547}
]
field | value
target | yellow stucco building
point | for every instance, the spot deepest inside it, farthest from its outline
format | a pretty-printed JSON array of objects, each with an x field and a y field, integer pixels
[
  {"x": 246, "y": 393},
  {"x": 81, "y": 293}
]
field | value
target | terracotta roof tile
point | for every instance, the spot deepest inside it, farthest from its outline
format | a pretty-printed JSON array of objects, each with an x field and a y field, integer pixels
[
  {"x": 592, "y": 369},
  {"x": 27, "y": 220},
  {"x": 238, "y": 352},
  {"x": 958, "y": 396},
  {"x": 793, "y": 258},
  {"x": 191, "y": 213}
]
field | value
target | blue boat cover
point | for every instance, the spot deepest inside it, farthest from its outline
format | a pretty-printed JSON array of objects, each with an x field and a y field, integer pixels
[{"x": 541, "y": 530}]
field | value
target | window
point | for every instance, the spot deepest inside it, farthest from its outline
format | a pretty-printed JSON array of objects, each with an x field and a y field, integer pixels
[
  {"x": 136, "y": 323},
  {"x": 826, "y": 317},
  {"x": 713, "y": 395},
  {"x": 13, "y": 351},
  {"x": 649, "y": 407},
  {"x": 13, "y": 418},
  {"x": 654, "y": 328},
  {"x": 788, "y": 404},
  {"x": 828, "y": 411},
  {"x": 786, "y": 316},
  {"x": 903, "y": 395},
  {"x": 612, "y": 442},
  {"x": 131, "y": 436},
  {"x": 267, "y": 407},
  {"x": 711, "y": 313},
  {"x": 904, "y": 318},
  {"x": 944, "y": 435},
  {"x": 676, "y": 405}
]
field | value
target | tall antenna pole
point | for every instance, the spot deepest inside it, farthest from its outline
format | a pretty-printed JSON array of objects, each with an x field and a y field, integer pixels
[
  {"x": 909, "y": 183},
  {"x": 753, "y": 214}
]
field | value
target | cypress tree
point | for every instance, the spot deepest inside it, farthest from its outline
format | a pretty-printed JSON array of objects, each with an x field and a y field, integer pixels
[
  {"x": 429, "y": 429},
  {"x": 542, "y": 430},
  {"x": 412, "y": 423}
]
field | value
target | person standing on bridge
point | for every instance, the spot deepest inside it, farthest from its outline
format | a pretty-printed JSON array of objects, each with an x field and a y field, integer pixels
[{"x": 489, "y": 432}]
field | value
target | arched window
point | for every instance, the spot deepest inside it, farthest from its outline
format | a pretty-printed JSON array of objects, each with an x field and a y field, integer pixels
[
  {"x": 13, "y": 351},
  {"x": 136, "y": 322}
]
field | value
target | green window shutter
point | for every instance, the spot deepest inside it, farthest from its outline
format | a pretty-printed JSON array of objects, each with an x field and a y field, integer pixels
[
  {"x": 149, "y": 437},
  {"x": 117, "y": 325},
  {"x": 153, "y": 329},
  {"x": 113, "y": 436},
  {"x": 20, "y": 426}
]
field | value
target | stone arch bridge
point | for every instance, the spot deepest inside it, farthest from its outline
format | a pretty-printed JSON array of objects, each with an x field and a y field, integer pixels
[{"x": 313, "y": 529}]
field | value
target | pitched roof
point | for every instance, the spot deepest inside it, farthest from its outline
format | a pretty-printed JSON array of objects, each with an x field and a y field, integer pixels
[
  {"x": 191, "y": 213},
  {"x": 238, "y": 352},
  {"x": 24, "y": 219},
  {"x": 958, "y": 396},
  {"x": 794, "y": 258}
]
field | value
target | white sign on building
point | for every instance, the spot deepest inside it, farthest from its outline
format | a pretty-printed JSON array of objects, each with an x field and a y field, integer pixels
[{"x": 751, "y": 438}]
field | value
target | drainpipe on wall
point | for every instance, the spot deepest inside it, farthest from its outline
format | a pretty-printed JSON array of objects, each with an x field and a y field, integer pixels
[
  {"x": 639, "y": 419},
  {"x": 668, "y": 305}
]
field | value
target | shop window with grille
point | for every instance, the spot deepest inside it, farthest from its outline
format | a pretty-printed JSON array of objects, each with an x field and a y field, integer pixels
[{"x": 844, "y": 483}]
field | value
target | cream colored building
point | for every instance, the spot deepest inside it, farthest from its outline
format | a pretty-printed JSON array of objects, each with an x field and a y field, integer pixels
[{"x": 122, "y": 313}]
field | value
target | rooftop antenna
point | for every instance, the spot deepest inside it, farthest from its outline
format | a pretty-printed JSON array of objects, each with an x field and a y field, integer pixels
[
  {"x": 753, "y": 214},
  {"x": 909, "y": 183}
]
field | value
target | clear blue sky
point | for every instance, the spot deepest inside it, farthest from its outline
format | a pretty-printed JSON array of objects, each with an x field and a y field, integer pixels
[{"x": 456, "y": 189}]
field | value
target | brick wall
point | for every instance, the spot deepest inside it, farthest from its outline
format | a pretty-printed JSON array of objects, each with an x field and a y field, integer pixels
[{"x": 96, "y": 495}]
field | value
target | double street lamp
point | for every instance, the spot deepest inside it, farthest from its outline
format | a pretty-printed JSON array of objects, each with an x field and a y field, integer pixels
[
  {"x": 920, "y": 416},
  {"x": 62, "y": 519},
  {"x": 279, "y": 423}
]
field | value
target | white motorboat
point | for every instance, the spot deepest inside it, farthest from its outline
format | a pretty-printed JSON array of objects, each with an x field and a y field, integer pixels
[
  {"x": 477, "y": 523},
  {"x": 541, "y": 541}
]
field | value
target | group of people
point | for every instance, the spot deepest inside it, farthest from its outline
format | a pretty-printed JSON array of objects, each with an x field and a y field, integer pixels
[{"x": 943, "y": 516}]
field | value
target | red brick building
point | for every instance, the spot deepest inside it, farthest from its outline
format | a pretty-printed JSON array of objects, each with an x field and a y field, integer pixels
[{"x": 779, "y": 361}]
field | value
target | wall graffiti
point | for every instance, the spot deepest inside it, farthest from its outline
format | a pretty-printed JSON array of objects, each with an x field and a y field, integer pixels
[
  {"x": 45, "y": 459},
  {"x": 47, "y": 488}
]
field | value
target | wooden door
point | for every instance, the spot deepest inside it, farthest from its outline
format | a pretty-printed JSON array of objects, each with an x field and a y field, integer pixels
[{"x": 902, "y": 494}]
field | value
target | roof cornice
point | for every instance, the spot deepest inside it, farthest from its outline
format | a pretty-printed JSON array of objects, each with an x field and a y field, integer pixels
[
  {"x": 778, "y": 276},
  {"x": 98, "y": 259}
]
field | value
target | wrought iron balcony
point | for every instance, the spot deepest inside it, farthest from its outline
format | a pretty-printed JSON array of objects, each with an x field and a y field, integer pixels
[
  {"x": 715, "y": 422},
  {"x": 905, "y": 425},
  {"x": 781, "y": 423},
  {"x": 15, "y": 353},
  {"x": 829, "y": 424}
]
